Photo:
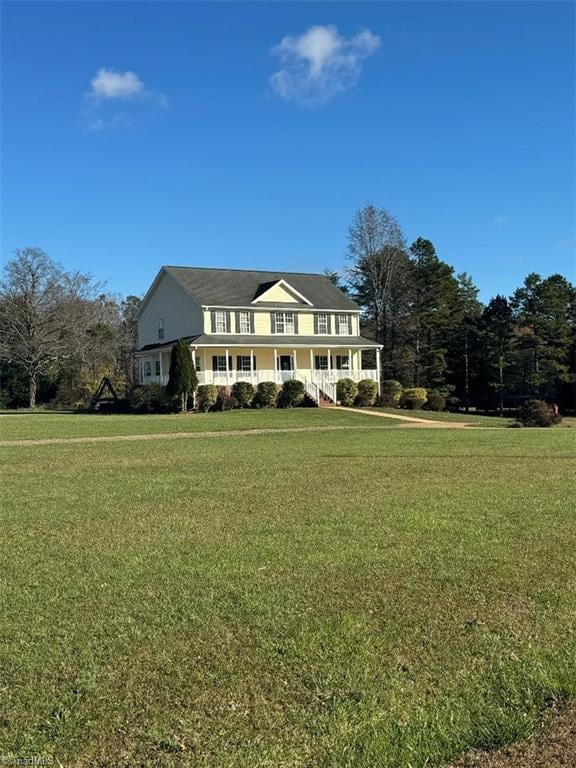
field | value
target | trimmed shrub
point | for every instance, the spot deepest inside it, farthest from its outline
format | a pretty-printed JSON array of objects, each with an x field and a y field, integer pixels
[
  {"x": 367, "y": 391},
  {"x": 413, "y": 398},
  {"x": 244, "y": 393},
  {"x": 537, "y": 413},
  {"x": 225, "y": 401},
  {"x": 346, "y": 391},
  {"x": 435, "y": 402},
  {"x": 266, "y": 394},
  {"x": 291, "y": 394},
  {"x": 206, "y": 397},
  {"x": 391, "y": 392},
  {"x": 151, "y": 398}
]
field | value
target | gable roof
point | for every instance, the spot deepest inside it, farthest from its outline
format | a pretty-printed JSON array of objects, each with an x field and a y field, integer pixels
[
  {"x": 283, "y": 284},
  {"x": 239, "y": 287}
]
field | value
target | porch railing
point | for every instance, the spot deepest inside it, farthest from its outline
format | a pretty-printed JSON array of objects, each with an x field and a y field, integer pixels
[{"x": 326, "y": 380}]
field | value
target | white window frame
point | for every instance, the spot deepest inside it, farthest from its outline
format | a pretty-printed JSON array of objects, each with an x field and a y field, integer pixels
[
  {"x": 344, "y": 362},
  {"x": 221, "y": 366},
  {"x": 317, "y": 365},
  {"x": 245, "y": 360},
  {"x": 322, "y": 323},
  {"x": 244, "y": 324},
  {"x": 147, "y": 369},
  {"x": 220, "y": 324},
  {"x": 343, "y": 320},
  {"x": 284, "y": 322},
  {"x": 156, "y": 367}
]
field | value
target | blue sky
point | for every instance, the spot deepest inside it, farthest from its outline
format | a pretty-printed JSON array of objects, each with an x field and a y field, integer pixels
[{"x": 247, "y": 134}]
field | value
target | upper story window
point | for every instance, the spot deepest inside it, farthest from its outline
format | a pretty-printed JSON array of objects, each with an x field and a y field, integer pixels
[
  {"x": 220, "y": 322},
  {"x": 322, "y": 323},
  {"x": 283, "y": 322},
  {"x": 160, "y": 329},
  {"x": 343, "y": 325},
  {"x": 244, "y": 322}
]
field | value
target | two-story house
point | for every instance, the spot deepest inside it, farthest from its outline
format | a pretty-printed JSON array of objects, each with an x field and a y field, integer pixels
[{"x": 255, "y": 326}]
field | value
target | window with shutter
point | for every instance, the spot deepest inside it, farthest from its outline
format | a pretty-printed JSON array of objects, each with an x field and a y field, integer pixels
[
  {"x": 322, "y": 324},
  {"x": 219, "y": 322},
  {"x": 243, "y": 324}
]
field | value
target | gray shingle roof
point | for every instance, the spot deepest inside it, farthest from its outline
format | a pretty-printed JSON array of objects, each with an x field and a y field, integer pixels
[
  {"x": 279, "y": 341},
  {"x": 239, "y": 287}
]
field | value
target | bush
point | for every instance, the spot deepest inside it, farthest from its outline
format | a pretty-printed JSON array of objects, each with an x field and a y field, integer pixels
[
  {"x": 391, "y": 391},
  {"x": 225, "y": 401},
  {"x": 413, "y": 398},
  {"x": 291, "y": 394},
  {"x": 266, "y": 394},
  {"x": 537, "y": 413},
  {"x": 151, "y": 398},
  {"x": 435, "y": 402},
  {"x": 206, "y": 397},
  {"x": 243, "y": 391},
  {"x": 367, "y": 391},
  {"x": 346, "y": 391}
]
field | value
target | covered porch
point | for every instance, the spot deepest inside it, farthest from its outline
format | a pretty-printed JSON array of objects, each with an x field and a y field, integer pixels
[{"x": 317, "y": 366}]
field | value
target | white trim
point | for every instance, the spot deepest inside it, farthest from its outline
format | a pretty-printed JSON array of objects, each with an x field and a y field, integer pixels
[
  {"x": 279, "y": 307},
  {"x": 284, "y": 284}
]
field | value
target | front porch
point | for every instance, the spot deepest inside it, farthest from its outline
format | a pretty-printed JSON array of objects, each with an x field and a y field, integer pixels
[{"x": 318, "y": 368}]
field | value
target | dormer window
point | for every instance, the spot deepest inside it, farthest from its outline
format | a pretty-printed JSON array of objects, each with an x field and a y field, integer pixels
[
  {"x": 160, "y": 329},
  {"x": 220, "y": 322}
]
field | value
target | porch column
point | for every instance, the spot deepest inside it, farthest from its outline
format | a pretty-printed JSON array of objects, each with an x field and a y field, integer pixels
[
  {"x": 161, "y": 371},
  {"x": 350, "y": 363},
  {"x": 252, "y": 365},
  {"x": 195, "y": 371},
  {"x": 275, "y": 365},
  {"x": 205, "y": 366},
  {"x": 378, "y": 368},
  {"x": 295, "y": 360},
  {"x": 329, "y": 363},
  {"x": 311, "y": 363},
  {"x": 227, "y": 369}
]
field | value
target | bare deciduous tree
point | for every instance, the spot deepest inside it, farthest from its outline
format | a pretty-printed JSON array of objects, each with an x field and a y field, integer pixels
[
  {"x": 43, "y": 314},
  {"x": 378, "y": 275}
]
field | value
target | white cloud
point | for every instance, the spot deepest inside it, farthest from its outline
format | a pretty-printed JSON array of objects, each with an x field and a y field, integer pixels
[
  {"x": 320, "y": 63},
  {"x": 107, "y": 88},
  {"x": 108, "y": 84}
]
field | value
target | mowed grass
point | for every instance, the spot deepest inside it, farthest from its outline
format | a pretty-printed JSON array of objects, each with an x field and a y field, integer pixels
[
  {"x": 378, "y": 597},
  {"x": 475, "y": 419},
  {"x": 478, "y": 420},
  {"x": 52, "y": 424}
]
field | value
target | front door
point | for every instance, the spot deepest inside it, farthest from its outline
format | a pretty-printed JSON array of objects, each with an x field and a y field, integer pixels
[{"x": 285, "y": 366}]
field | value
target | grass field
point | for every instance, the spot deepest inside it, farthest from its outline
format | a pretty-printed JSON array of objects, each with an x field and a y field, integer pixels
[
  {"x": 477, "y": 420},
  {"x": 375, "y": 597},
  {"x": 52, "y": 424}
]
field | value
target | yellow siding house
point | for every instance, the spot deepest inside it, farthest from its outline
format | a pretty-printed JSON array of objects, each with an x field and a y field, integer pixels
[{"x": 253, "y": 326}]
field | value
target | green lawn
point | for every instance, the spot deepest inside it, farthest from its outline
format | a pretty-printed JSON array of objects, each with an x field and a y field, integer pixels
[
  {"x": 373, "y": 598},
  {"x": 47, "y": 424},
  {"x": 468, "y": 418}
]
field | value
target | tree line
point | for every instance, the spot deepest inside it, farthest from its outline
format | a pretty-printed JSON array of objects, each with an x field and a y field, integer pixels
[
  {"x": 436, "y": 334},
  {"x": 60, "y": 332}
]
